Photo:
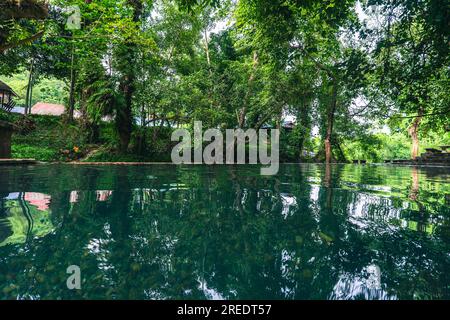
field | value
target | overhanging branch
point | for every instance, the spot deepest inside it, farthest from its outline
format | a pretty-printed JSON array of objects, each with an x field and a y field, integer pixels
[{"x": 18, "y": 43}]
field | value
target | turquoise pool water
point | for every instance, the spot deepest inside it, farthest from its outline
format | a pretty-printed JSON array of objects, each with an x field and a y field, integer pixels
[{"x": 225, "y": 232}]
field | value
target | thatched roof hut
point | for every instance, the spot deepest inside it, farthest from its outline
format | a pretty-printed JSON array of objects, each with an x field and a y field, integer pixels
[
  {"x": 6, "y": 97},
  {"x": 5, "y": 88}
]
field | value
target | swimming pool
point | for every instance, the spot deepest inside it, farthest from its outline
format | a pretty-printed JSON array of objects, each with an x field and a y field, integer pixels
[{"x": 225, "y": 232}]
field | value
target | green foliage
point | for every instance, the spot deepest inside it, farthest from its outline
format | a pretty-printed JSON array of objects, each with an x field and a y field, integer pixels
[
  {"x": 41, "y": 153},
  {"x": 5, "y": 116},
  {"x": 379, "y": 147},
  {"x": 51, "y": 140},
  {"x": 49, "y": 90},
  {"x": 247, "y": 63},
  {"x": 157, "y": 149}
]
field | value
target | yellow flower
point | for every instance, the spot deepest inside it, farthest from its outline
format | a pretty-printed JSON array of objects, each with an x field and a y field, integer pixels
[{"x": 76, "y": 149}]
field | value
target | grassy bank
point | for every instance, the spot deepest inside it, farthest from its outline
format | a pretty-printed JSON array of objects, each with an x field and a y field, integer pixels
[{"x": 51, "y": 139}]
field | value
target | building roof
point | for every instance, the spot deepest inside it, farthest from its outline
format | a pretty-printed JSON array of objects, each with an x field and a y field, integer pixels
[
  {"x": 48, "y": 109},
  {"x": 39, "y": 200},
  {"x": 51, "y": 109},
  {"x": 5, "y": 87}
]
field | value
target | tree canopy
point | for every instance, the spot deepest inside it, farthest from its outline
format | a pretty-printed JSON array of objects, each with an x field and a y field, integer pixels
[{"x": 346, "y": 71}]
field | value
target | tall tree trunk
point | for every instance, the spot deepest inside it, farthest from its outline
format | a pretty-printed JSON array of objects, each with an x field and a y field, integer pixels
[
  {"x": 414, "y": 134},
  {"x": 208, "y": 58},
  {"x": 142, "y": 131},
  {"x": 330, "y": 123},
  {"x": 251, "y": 80},
  {"x": 414, "y": 191},
  {"x": 124, "y": 117},
  {"x": 342, "y": 157},
  {"x": 328, "y": 183},
  {"x": 29, "y": 94},
  {"x": 72, "y": 86},
  {"x": 304, "y": 121},
  {"x": 211, "y": 89}
]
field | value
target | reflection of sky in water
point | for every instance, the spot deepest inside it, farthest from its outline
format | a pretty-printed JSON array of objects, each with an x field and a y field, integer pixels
[
  {"x": 39, "y": 200},
  {"x": 210, "y": 293},
  {"x": 288, "y": 201},
  {"x": 365, "y": 286},
  {"x": 215, "y": 234},
  {"x": 24, "y": 215}
]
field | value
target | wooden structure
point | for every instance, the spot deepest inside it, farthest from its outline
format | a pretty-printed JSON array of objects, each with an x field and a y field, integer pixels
[
  {"x": 6, "y": 130},
  {"x": 432, "y": 156},
  {"x": 6, "y": 97},
  {"x": 435, "y": 156},
  {"x": 10, "y": 162},
  {"x": 445, "y": 148}
]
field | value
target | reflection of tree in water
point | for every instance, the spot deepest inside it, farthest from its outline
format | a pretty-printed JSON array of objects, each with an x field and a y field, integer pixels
[
  {"x": 225, "y": 233},
  {"x": 411, "y": 262},
  {"x": 5, "y": 230}
]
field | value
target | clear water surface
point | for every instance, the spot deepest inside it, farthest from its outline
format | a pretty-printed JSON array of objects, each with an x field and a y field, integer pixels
[{"x": 225, "y": 232}]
